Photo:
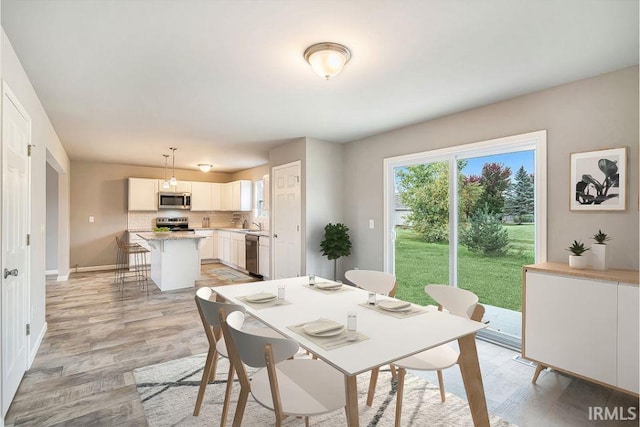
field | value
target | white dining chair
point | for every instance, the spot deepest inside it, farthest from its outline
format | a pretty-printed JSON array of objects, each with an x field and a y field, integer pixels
[
  {"x": 458, "y": 302},
  {"x": 289, "y": 387},
  {"x": 380, "y": 283},
  {"x": 209, "y": 314}
]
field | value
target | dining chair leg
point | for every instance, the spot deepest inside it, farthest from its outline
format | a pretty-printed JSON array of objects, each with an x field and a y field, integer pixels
[
  {"x": 206, "y": 373},
  {"x": 441, "y": 384},
  {"x": 399, "y": 393},
  {"x": 227, "y": 397},
  {"x": 394, "y": 374},
  {"x": 242, "y": 403},
  {"x": 539, "y": 369},
  {"x": 306, "y": 421},
  {"x": 214, "y": 367},
  {"x": 372, "y": 386}
]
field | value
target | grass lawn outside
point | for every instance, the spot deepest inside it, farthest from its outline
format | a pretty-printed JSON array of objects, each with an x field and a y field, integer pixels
[{"x": 496, "y": 280}]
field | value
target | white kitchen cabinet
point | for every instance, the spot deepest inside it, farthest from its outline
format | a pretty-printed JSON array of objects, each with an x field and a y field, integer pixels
[
  {"x": 216, "y": 196},
  {"x": 264, "y": 266},
  {"x": 266, "y": 192},
  {"x": 206, "y": 245},
  {"x": 238, "y": 250},
  {"x": 241, "y": 195},
  {"x": 224, "y": 246},
  {"x": 628, "y": 337},
  {"x": 181, "y": 187},
  {"x": 226, "y": 197},
  {"x": 143, "y": 194},
  {"x": 201, "y": 196},
  {"x": 583, "y": 322}
]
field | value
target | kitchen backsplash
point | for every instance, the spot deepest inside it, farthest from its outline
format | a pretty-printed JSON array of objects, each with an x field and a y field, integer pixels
[{"x": 147, "y": 220}]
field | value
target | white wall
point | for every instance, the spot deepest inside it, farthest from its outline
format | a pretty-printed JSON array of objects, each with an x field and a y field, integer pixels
[
  {"x": 46, "y": 142},
  {"x": 591, "y": 114},
  {"x": 324, "y": 186}
]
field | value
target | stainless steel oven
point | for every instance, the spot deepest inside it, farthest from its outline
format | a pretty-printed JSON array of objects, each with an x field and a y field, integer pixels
[
  {"x": 251, "y": 244},
  {"x": 174, "y": 200}
]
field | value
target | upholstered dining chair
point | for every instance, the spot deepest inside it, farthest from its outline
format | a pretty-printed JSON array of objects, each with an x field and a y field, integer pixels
[
  {"x": 380, "y": 283},
  {"x": 209, "y": 314},
  {"x": 287, "y": 386},
  {"x": 459, "y": 302}
]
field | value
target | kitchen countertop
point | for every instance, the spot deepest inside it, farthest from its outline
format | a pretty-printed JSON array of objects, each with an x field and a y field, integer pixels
[
  {"x": 261, "y": 233},
  {"x": 171, "y": 235}
]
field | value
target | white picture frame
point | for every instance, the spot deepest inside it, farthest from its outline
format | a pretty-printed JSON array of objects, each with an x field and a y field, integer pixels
[{"x": 598, "y": 180}]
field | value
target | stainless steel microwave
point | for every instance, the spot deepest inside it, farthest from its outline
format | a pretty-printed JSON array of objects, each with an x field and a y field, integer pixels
[{"x": 174, "y": 200}]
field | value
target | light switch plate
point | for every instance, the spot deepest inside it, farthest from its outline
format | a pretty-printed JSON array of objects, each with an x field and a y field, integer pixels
[
  {"x": 92, "y": 219},
  {"x": 371, "y": 224}
]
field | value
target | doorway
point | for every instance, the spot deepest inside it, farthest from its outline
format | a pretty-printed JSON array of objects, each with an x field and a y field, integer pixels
[
  {"x": 469, "y": 216},
  {"x": 51, "y": 256},
  {"x": 16, "y": 196},
  {"x": 287, "y": 218}
]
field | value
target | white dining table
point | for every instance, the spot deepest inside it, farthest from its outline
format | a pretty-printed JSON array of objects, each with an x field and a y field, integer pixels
[{"x": 389, "y": 338}]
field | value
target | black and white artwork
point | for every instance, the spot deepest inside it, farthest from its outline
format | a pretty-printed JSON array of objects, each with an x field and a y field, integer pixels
[{"x": 598, "y": 180}]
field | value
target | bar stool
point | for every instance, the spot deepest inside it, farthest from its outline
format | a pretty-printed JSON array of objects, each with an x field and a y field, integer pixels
[{"x": 123, "y": 266}]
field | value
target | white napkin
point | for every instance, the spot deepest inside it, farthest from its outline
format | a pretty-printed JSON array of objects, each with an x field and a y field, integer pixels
[
  {"x": 320, "y": 326},
  {"x": 328, "y": 285},
  {"x": 260, "y": 297},
  {"x": 394, "y": 304}
]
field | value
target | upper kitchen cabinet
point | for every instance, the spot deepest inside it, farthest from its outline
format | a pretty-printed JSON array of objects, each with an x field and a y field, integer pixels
[
  {"x": 201, "y": 196},
  {"x": 240, "y": 195},
  {"x": 143, "y": 194},
  {"x": 216, "y": 196},
  {"x": 181, "y": 187}
]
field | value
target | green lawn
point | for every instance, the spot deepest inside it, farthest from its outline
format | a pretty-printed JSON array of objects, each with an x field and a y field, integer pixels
[{"x": 496, "y": 281}]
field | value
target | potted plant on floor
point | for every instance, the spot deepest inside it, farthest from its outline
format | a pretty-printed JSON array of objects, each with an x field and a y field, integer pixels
[
  {"x": 336, "y": 243},
  {"x": 600, "y": 251},
  {"x": 576, "y": 260}
]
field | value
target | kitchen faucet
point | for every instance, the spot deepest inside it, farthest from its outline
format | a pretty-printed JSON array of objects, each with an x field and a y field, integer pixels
[{"x": 258, "y": 224}]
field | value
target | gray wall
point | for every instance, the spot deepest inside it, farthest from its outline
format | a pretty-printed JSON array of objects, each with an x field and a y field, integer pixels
[
  {"x": 52, "y": 219},
  {"x": 100, "y": 190},
  {"x": 47, "y": 143},
  {"x": 324, "y": 187},
  {"x": 591, "y": 114}
]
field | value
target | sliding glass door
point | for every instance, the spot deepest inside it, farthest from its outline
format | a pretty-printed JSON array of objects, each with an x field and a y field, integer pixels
[{"x": 469, "y": 216}]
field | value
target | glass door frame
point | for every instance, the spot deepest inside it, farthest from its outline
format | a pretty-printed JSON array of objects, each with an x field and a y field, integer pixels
[{"x": 529, "y": 141}]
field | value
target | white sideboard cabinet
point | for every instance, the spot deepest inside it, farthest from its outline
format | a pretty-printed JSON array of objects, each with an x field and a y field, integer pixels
[{"x": 583, "y": 322}]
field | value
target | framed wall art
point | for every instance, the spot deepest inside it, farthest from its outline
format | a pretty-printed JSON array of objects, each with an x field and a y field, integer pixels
[{"x": 598, "y": 180}]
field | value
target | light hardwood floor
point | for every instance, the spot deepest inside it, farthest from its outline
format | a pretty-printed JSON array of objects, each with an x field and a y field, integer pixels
[{"x": 82, "y": 374}]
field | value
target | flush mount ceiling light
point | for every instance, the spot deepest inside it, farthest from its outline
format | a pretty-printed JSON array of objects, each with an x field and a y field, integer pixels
[
  {"x": 173, "y": 181},
  {"x": 327, "y": 59},
  {"x": 165, "y": 183},
  {"x": 205, "y": 167}
]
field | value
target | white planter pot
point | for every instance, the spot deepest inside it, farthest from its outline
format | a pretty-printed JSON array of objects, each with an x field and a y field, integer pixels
[
  {"x": 600, "y": 254},
  {"x": 578, "y": 262}
]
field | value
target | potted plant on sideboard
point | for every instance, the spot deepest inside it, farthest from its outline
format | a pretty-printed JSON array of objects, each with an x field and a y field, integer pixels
[
  {"x": 600, "y": 251},
  {"x": 576, "y": 260}
]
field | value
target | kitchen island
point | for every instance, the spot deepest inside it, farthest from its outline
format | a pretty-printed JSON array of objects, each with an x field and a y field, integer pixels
[{"x": 175, "y": 259}]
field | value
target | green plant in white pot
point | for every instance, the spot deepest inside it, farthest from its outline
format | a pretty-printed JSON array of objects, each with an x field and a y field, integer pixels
[
  {"x": 576, "y": 260},
  {"x": 600, "y": 251}
]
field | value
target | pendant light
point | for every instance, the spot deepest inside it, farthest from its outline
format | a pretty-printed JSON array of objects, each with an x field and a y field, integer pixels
[
  {"x": 173, "y": 181},
  {"x": 165, "y": 183}
]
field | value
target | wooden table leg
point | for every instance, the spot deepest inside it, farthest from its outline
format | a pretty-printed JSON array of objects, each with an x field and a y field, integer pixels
[
  {"x": 351, "y": 389},
  {"x": 470, "y": 370},
  {"x": 539, "y": 369}
]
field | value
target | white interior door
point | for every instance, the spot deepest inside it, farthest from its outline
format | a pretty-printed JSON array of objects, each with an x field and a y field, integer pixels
[
  {"x": 16, "y": 130},
  {"x": 287, "y": 217}
]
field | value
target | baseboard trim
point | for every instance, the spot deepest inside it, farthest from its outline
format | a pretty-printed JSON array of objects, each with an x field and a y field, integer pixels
[
  {"x": 94, "y": 268},
  {"x": 62, "y": 278},
  {"x": 36, "y": 346},
  {"x": 51, "y": 272}
]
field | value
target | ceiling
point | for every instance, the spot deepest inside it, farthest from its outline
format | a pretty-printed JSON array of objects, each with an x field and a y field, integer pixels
[{"x": 225, "y": 81}]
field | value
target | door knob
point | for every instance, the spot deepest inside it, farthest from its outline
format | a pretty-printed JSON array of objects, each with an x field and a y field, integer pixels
[
  {"x": 8, "y": 273},
  {"x": 275, "y": 236}
]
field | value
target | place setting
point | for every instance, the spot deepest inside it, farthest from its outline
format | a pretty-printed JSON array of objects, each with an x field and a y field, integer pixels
[
  {"x": 265, "y": 299},
  {"x": 394, "y": 307},
  {"x": 326, "y": 286},
  {"x": 329, "y": 334}
]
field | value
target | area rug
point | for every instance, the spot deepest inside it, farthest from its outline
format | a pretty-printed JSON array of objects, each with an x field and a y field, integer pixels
[{"x": 168, "y": 393}]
